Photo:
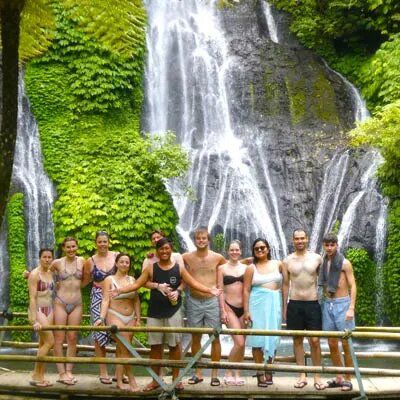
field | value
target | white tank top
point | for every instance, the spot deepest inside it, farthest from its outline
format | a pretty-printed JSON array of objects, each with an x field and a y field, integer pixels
[{"x": 262, "y": 279}]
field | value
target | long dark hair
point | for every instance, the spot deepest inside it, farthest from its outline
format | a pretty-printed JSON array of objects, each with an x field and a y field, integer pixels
[{"x": 268, "y": 247}]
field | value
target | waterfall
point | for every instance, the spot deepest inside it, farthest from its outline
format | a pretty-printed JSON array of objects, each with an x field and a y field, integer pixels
[
  {"x": 269, "y": 18},
  {"x": 368, "y": 180},
  {"x": 29, "y": 177},
  {"x": 187, "y": 85}
]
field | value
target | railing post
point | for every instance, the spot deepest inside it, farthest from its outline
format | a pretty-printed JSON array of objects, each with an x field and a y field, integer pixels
[{"x": 357, "y": 373}]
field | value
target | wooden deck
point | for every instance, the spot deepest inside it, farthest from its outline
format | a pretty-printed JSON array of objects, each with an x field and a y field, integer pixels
[{"x": 15, "y": 385}]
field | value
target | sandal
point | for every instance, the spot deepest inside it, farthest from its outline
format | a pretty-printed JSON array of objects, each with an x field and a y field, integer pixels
[
  {"x": 333, "y": 383},
  {"x": 215, "y": 382},
  {"x": 151, "y": 386},
  {"x": 268, "y": 379},
  {"x": 67, "y": 382},
  {"x": 300, "y": 384},
  {"x": 347, "y": 386},
  {"x": 261, "y": 382},
  {"x": 194, "y": 380}
]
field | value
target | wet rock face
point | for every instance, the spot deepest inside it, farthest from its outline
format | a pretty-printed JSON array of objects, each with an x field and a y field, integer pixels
[{"x": 284, "y": 100}]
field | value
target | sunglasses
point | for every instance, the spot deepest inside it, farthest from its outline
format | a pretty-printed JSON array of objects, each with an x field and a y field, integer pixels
[{"x": 261, "y": 248}]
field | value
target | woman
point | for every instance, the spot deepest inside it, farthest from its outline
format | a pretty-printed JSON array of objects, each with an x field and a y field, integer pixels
[
  {"x": 262, "y": 297},
  {"x": 122, "y": 310},
  {"x": 230, "y": 279},
  {"x": 165, "y": 311},
  {"x": 98, "y": 268},
  {"x": 67, "y": 305},
  {"x": 40, "y": 313}
]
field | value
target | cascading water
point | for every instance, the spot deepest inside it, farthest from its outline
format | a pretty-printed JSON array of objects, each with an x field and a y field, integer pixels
[
  {"x": 269, "y": 18},
  {"x": 29, "y": 177},
  {"x": 187, "y": 92}
]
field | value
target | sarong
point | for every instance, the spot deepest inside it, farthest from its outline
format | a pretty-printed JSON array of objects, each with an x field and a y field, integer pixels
[
  {"x": 96, "y": 297},
  {"x": 265, "y": 308}
]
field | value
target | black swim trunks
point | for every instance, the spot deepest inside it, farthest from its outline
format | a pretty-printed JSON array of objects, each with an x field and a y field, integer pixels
[{"x": 304, "y": 315}]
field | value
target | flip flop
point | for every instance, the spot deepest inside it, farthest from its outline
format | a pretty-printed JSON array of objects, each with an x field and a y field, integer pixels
[
  {"x": 215, "y": 382},
  {"x": 105, "y": 380},
  {"x": 41, "y": 384},
  {"x": 319, "y": 386},
  {"x": 124, "y": 379},
  {"x": 300, "y": 384},
  {"x": 194, "y": 380},
  {"x": 240, "y": 382},
  {"x": 347, "y": 386},
  {"x": 67, "y": 382},
  {"x": 333, "y": 383},
  {"x": 230, "y": 381}
]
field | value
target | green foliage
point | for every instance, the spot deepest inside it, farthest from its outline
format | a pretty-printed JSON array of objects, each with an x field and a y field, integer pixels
[
  {"x": 37, "y": 29},
  {"x": 364, "y": 271},
  {"x": 87, "y": 99},
  {"x": 387, "y": 122},
  {"x": 219, "y": 243},
  {"x": 380, "y": 76},
  {"x": 19, "y": 296}
]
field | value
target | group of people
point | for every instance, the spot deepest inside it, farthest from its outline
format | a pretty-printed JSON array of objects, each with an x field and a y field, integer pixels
[{"x": 255, "y": 292}]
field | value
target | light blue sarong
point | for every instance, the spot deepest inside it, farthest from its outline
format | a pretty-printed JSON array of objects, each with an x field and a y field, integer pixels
[{"x": 265, "y": 308}]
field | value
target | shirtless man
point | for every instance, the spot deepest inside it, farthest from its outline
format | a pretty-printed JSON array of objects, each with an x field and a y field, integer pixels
[
  {"x": 202, "y": 309},
  {"x": 340, "y": 291},
  {"x": 303, "y": 310}
]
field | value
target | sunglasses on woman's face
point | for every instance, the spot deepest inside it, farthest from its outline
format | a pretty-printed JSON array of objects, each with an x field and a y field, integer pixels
[{"x": 261, "y": 248}]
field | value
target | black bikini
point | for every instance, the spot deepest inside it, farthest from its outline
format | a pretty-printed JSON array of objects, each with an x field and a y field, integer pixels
[{"x": 228, "y": 280}]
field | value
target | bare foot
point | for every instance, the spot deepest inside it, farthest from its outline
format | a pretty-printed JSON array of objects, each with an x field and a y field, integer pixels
[
  {"x": 134, "y": 388},
  {"x": 123, "y": 386}
]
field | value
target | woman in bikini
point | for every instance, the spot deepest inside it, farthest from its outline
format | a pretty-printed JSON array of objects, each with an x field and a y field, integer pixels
[
  {"x": 40, "y": 313},
  {"x": 67, "y": 305},
  {"x": 230, "y": 279},
  {"x": 97, "y": 268},
  {"x": 262, "y": 299},
  {"x": 122, "y": 310}
]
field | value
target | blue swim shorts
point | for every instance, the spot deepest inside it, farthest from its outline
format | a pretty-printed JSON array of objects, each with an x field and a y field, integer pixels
[{"x": 334, "y": 314}]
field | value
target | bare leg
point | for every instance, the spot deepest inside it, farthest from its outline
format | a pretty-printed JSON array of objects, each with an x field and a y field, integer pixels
[
  {"x": 237, "y": 352},
  {"x": 315, "y": 355},
  {"x": 298, "y": 350},
  {"x": 72, "y": 337},
  {"x": 46, "y": 342},
  {"x": 156, "y": 351},
  {"x": 60, "y": 318},
  {"x": 175, "y": 353},
  {"x": 215, "y": 355},
  {"x": 100, "y": 351},
  {"x": 348, "y": 361},
  {"x": 196, "y": 346}
]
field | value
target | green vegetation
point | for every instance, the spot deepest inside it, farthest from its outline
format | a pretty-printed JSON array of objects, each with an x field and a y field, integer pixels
[
  {"x": 87, "y": 100},
  {"x": 19, "y": 297},
  {"x": 364, "y": 271},
  {"x": 360, "y": 39},
  {"x": 387, "y": 122}
]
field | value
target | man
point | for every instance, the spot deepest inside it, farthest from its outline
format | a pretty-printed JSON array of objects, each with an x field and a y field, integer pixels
[
  {"x": 303, "y": 309},
  {"x": 203, "y": 309},
  {"x": 151, "y": 257},
  {"x": 340, "y": 291}
]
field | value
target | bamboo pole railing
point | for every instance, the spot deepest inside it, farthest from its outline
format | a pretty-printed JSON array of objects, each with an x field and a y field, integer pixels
[
  {"x": 146, "y": 351},
  {"x": 201, "y": 364},
  {"x": 209, "y": 331},
  {"x": 393, "y": 329}
]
